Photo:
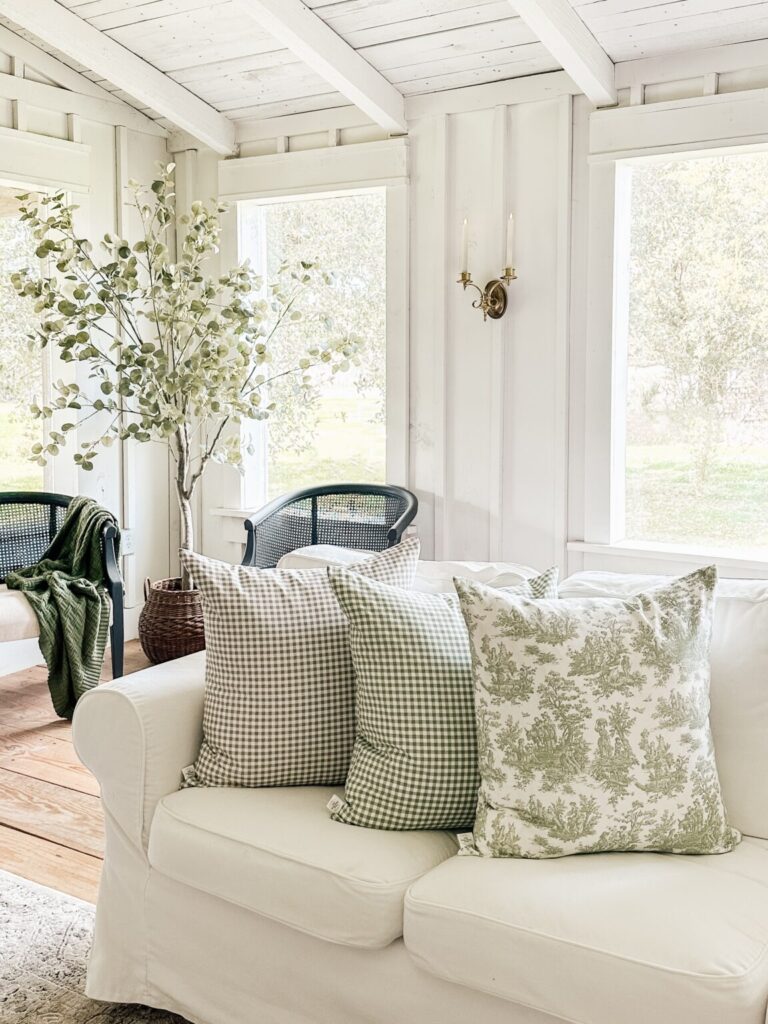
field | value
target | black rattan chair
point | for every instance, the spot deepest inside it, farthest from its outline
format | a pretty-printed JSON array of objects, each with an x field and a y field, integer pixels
[
  {"x": 370, "y": 517},
  {"x": 29, "y": 520}
]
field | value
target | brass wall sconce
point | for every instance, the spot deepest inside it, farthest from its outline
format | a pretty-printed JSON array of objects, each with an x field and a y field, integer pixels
[{"x": 493, "y": 299}]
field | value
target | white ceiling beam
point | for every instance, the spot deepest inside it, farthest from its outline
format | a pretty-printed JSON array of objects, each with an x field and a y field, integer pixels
[
  {"x": 313, "y": 42},
  {"x": 570, "y": 42},
  {"x": 59, "y": 28}
]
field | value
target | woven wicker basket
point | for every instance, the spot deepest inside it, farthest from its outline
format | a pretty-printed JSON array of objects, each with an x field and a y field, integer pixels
[{"x": 171, "y": 621}]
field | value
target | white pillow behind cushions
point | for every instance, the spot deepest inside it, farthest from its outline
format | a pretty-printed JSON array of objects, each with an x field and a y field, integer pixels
[
  {"x": 279, "y": 683},
  {"x": 320, "y": 556}
]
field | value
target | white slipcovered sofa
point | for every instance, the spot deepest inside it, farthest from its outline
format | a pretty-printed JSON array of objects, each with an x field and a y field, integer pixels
[{"x": 252, "y": 907}]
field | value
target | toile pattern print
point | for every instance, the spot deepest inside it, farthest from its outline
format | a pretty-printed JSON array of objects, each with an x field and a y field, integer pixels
[{"x": 593, "y": 722}]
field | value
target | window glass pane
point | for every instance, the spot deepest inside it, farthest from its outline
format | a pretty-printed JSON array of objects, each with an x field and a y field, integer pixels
[
  {"x": 337, "y": 432},
  {"x": 697, "y": 382},
  {"x": 21, "y": 367}
]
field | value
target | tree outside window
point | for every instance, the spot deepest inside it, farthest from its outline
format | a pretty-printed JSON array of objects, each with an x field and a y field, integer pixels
[
  {"x": 697, "y": 367},
  {"x": 336, "y": 431}
]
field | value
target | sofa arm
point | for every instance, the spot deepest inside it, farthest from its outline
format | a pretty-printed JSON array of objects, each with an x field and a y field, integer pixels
[{"x": 137, "y": 733}]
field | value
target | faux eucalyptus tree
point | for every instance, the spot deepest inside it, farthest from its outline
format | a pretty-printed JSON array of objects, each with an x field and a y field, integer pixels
[{"x": 173, "y": 354}]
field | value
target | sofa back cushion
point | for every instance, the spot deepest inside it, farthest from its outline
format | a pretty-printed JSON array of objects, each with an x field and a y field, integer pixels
[{"x": 738, "y": 689}]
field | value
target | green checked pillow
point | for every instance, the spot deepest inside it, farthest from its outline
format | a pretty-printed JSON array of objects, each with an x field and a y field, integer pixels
[
  {"x": 593, "y": 723},
  {"x": 414, "y": 764},
  {"x": 279, "y": 682}
]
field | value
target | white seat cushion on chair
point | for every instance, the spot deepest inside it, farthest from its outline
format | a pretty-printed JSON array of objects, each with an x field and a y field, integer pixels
[
  {"x": 319, "y": 556},
  {"x": 431, "y": 577},
  {"x": 617, "y": 938},
  {"x": 276, "y": 852},
  {"x": 17, "y": 620}
]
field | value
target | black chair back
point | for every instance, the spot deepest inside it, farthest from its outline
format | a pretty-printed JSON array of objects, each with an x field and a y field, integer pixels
[
  {"x": 368, "y": 517},
  {"x": 29, "y": 521}
]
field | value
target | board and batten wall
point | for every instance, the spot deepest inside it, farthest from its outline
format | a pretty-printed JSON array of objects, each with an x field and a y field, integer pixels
[
  {"x": 63, "y": 135},
  {"x": 486, "y": 401}
]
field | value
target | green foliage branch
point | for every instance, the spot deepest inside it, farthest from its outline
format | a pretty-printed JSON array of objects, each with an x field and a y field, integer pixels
[{"x": 173, "y": 354}]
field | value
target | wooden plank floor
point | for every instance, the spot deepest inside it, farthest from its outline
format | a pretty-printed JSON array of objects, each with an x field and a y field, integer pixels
[{"x": 51, "y": 826}]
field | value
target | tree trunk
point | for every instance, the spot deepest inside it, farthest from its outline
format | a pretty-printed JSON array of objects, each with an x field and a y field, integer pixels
[
  {"x": 185, "y": 507},
  {"x": 187, "y": 534}
]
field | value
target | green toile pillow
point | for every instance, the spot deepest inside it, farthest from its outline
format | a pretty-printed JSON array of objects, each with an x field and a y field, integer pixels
[
  {"x": 593, "y": 723},
  {"x": 414, "y": 762}
]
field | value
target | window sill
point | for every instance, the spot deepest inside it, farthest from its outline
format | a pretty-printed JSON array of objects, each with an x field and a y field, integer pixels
[
  {"x": 235, "y": 513},
  {"x": 741, "y": 562}
]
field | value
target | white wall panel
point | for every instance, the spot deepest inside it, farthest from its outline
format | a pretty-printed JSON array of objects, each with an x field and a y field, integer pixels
[
  {"x": 536, "y": 391},
  {"x": 487, "y": 399},
  {"x": 431, "y": 282},
  {"x": 469, "y": 359}
]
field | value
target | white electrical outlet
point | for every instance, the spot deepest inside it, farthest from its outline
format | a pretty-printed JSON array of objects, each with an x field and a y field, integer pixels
[{"x": 127, "y": 542}]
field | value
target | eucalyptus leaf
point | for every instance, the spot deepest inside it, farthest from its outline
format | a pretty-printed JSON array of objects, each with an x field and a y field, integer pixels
[{"x": 174, "y": 353}]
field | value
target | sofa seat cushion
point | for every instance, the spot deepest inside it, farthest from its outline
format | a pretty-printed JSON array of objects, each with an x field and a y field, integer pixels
[
  {"x": 17, "y": 620},
  {"x": 602, "y": 938},
  {"x": 275, "y": 851}
]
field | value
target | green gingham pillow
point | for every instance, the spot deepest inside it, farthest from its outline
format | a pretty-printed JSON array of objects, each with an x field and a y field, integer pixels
[
  {"x": 279, "y": 682},
  {"x": 593, "y": 723},
  {"x": 414, "y": 764}
]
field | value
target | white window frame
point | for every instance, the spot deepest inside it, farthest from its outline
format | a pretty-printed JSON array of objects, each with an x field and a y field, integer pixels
[
  {"x": 619, "y": 139},
  {"x": 46, "y": 354},
  {"x": 19, "y": 170},
  {"x": 340, "y": 170}
]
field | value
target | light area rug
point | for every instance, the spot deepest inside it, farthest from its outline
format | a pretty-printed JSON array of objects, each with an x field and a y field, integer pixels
[{"x": 45, "y": 938}]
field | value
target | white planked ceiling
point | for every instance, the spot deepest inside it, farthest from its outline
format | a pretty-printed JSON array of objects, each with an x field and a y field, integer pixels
[
  {"x": 420, "y": 46},
  {"x": 631, "y": 29}
]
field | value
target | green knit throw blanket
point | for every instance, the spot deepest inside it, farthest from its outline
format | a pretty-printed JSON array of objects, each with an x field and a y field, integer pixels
[{"x": 67, "y": 593}]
